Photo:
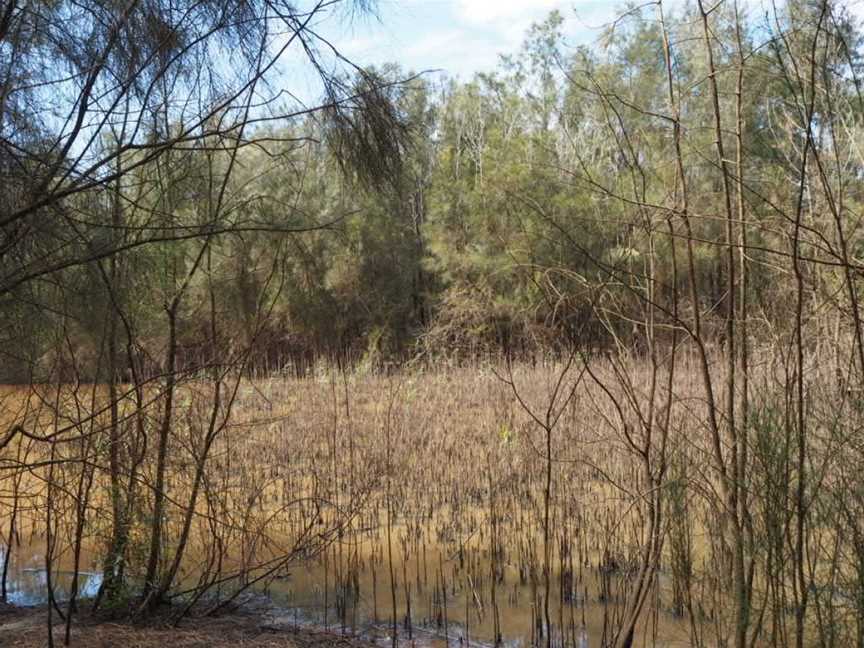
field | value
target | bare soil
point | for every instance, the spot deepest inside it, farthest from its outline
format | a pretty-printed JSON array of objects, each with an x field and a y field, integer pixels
[{"x": 258, "y": 628}]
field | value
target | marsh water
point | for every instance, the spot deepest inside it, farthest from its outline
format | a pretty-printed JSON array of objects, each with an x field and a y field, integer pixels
[
  {"x": 306, "y": 596},
  {"x": 27, "y": 580},
  {"x": 439, "y": 512}
]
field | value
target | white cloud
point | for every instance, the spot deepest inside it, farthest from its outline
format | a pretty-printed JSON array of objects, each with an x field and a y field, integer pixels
[
  {"x": 486, "y": 11},
  {"x": 457, "y": 51}
]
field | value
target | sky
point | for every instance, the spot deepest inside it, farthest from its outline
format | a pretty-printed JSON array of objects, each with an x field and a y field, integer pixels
[
  {"x": 463, "y": 37},
  {"x": 460, "y": 37}
]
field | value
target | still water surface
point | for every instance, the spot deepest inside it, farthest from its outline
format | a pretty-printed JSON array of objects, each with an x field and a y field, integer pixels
[{"x": 303, "y": 601}]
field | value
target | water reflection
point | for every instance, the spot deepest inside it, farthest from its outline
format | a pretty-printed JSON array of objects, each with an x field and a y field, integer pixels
[
  {"x": 27, "y": 580},
  {"x": 432, "y": 619}
]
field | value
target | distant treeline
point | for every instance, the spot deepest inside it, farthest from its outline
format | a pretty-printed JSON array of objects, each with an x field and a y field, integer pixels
[{"x": 522, "y": 210}]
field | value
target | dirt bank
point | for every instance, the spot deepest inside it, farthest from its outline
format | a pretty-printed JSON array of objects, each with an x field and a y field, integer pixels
[{"x": 258, "y": 627}]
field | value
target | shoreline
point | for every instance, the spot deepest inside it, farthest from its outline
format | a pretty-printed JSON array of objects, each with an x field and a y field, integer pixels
[{"x": 255, "y": 624}]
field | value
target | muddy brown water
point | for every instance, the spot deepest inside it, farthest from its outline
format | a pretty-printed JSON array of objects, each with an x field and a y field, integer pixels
[
  {"x": 306, "y": 593},
  {"x": 464, "y": 484}
]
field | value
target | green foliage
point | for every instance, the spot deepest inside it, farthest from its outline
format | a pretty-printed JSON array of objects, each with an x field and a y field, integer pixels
[{"x": 503, "y": 212}]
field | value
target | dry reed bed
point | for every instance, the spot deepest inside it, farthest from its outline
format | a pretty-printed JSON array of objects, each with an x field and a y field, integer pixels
[{"x": 448, "y": 461}]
